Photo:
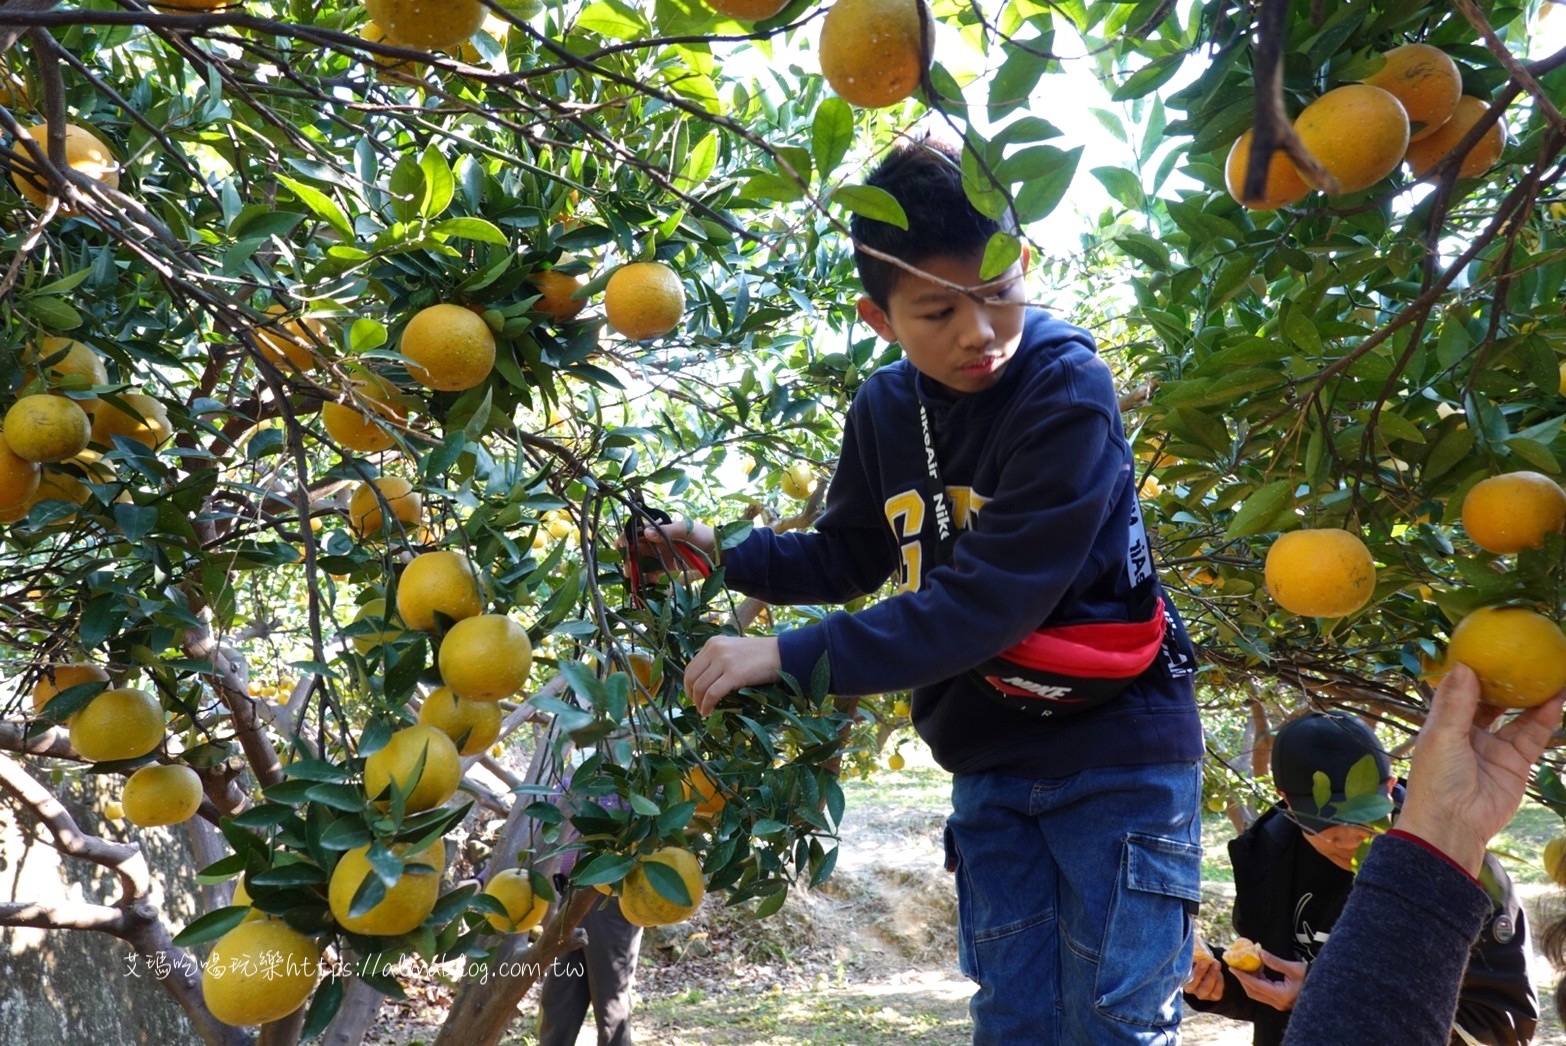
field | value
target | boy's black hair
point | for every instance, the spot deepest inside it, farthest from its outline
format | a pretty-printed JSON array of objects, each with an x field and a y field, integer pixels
[{"x": 923, "y": 174}]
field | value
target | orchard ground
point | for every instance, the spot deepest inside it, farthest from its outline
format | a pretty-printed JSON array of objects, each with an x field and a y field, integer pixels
[{"x": 869, "y": 959}]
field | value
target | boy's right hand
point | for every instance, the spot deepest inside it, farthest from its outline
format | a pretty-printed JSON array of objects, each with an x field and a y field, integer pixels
[
  {"x": 1206, "y": 978},
  {"x": 656, "y": 545}
]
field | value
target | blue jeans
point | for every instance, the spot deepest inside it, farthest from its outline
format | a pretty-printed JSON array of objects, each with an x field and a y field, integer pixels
[{"x": 1075, "y": 902}]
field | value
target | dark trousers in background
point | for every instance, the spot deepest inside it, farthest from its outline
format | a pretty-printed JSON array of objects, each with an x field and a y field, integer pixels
[{"x": 599, "y": 975}]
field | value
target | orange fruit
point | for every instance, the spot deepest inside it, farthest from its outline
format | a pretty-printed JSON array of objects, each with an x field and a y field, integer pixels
[
  {"x": 449, "y": 348},
  {"x": 78, "y": 369},
  {"x": 873, "y": 52},
  {"x": 440, "y": 581},
  {"x": 710, "y": 802},
  {"x": 1284, "y": 184},
  {"x": 290, "y": 344},
  {"x": 354, "y": 429},
  {"x": 472, "y": 724},
  {"x": 513, "y": 888},
  {"x": 260, "y": 971},
  {"x": 164, "y": 793},
  {"x": 84, "y": 152},
  {"x": 643, "y": 905},
  {"x": 388, "y": 68},
  {"x": 748, "y": 10},
  {"x": 1320, "y": 573},
  {"x": 1518, "y": 655},
  {"x": 556, "y": 293},
  {"x": 486, "y": 657},
  {"x": 1358, "y": 132},
  {"x": 408, "y": 901},
  {"x": 391, "y": 628},
  {"x": 55, "y": 678},
  {"x": 1427, "y": 152},
  {"x": 136, "y": 416},
  {"x": 367, "y": 507},
  {"x": 397, "y": 760},
  {"x": 798, "y": 480},
  {"x": 1243, "y": 955},
  {"x": 124, "y": 723},
  {"x": 431, "y": 24},
  {"x": 1555, "y": 860},
  {"x": 45, "y": 428},
  {"x": 1514, "y": 511},
  {"x": 644, "y": 300},
  {"x": 18, "y": 476},
  {"x": 1427, "y": 83}
]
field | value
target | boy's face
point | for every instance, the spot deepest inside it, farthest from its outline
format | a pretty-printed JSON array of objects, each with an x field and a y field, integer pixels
[{"x": 948, "y": 337}]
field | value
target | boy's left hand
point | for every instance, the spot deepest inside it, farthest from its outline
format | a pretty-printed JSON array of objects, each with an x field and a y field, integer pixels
[
  {"x": 1280, "y": 995},
  {"x": 726, "y": 663}
]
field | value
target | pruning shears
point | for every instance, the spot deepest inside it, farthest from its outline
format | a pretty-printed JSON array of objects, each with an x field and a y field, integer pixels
[{"x": 639, "y": 567}]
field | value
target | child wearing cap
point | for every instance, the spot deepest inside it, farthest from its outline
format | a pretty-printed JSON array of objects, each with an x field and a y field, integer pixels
[
  {"x": 988, "y": 475},
  {"x": 1294, "y": 871}
]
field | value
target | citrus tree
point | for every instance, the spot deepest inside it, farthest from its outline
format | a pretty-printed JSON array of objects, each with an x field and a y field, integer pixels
[{"x": 343, "y": 342}]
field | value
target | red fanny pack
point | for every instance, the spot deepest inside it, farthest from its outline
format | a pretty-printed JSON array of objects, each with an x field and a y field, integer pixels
[{"x": 1064, "y": 668}]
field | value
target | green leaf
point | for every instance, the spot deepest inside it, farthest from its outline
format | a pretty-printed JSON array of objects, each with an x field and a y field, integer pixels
[
  {"x": 988, "y": 198},
  {"x": 212, "y": 925},
  {"x": 1149, "y": 78},
  {"x": 1000, "y": 253},
  {"x": 1261, "y": 509},
  {"x": 1364, "y": 778},
  {"x": 615, "y": 20},
  {"x": 324, "y": 1004},
  {"x": 466, "y": 229},
  {"x": 667, "y": 882},
  {"x": 406, "y": 188},
  {"x": 831, "y": 134},
  {"x": 321, "y": 205},
  {"x": 867, "y": 201},
  {"x": 439, "y": 185},
  {"x": 1123, "y": 185}
]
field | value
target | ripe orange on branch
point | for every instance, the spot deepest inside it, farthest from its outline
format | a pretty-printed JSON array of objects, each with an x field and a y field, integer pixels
[
  {"x": 1427, "y": 83},
  {"x": 1320, "y": 572},
  {"x": 55, "y": 678},
  {"x": 408, "y": 901},
  {"x": 442, "y": 581},
  {"x": 556, "y": 294},
  {"x": 1518, "y": 654},
  {"x": 398, "y": 760},
  {"x": 260, "y": 971},
  {"x": 449, "y": 348},
  {"x": 123, "y": 723},
  {"x": 513, "y": 888},
  {"x": 136, "y": 416},
  {"x": 472, "y": 724},
  {"x": 641, "y": 902},
  {"x": 644, "y": 300},
  {"x": 431, "y": 24},
  {"x": 19, "y": 477},
  {"x": 290, "y": 344},
  {"x": 873, "y": 52},
  {"x": 486, "y": 657},
  {"x": 1284, "y": 184},
  {"x": 85, "y": 153},
  {"x": 1424, "y": 154},
  {"x": 1358, "y": 132},
  {"x": 367, "y": 508},
  {"x": 46, "y": 429},
  {"x": 1514, "y": 511},
  {"x": 162, "y": 794}
]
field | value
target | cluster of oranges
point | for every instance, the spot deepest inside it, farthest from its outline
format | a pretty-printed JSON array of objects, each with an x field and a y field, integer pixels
[
  {"x": 1518, "y": 653},
  {"x": 1411, "y": 109},
  {"x": 56, "y": 431}
]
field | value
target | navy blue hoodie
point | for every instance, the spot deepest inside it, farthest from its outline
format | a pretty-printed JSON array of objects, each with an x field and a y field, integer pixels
[{"x": 1040, "y": 477}]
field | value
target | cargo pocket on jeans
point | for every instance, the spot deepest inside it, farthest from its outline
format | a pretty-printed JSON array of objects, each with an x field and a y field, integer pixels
[
  {"x": 1151, "y": 916},
  {"x": 966, "y": 961}
]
